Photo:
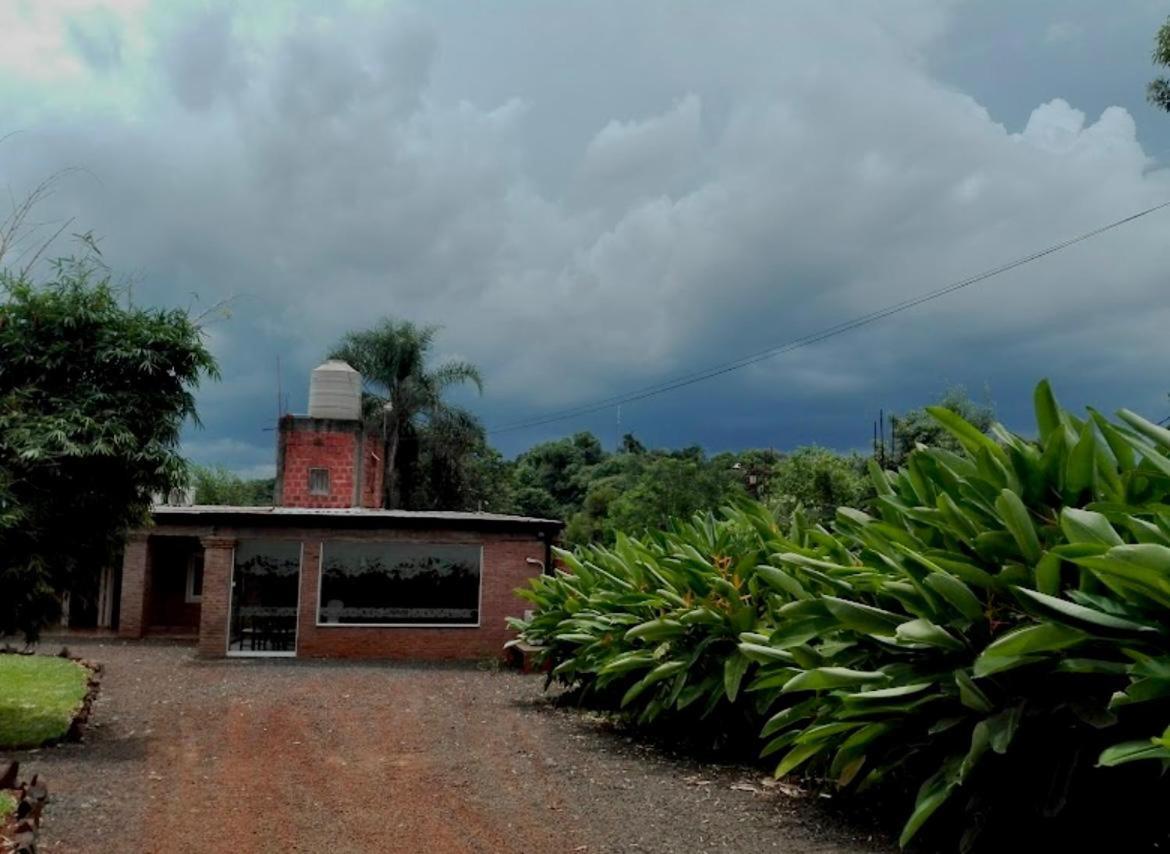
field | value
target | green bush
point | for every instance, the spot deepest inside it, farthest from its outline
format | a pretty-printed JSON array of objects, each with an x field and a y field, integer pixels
[{"x": 992, "y": 634}]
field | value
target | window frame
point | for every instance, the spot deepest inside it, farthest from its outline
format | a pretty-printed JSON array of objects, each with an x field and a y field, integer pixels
[
  {"x": 456, "y": 626},
  {"x": 328, "y": 490},
  {"x": 227, "y": 628},
  {"x": 189, "y": 594}
]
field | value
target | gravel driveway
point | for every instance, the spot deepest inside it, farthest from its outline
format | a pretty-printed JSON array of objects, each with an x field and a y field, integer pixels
[{"x": 282, "y": 756}]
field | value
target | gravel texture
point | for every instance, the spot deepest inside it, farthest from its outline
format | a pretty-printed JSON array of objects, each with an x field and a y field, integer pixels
[{"x": 282, "y": 755}]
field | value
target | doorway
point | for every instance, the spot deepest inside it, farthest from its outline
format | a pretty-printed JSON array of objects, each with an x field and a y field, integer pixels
[{"x": 265, "y": 594}]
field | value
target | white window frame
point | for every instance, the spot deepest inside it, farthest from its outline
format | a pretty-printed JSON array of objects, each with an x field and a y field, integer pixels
[
  {"x": 190, "y": 596},
  {"x": 328, "y": 481},
  {"x": 244, "y": 653},
  {"x": 321, "y": 577}
]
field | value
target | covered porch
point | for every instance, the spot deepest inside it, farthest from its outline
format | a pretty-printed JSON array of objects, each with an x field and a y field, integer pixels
[{"x": 164, "y": 596}]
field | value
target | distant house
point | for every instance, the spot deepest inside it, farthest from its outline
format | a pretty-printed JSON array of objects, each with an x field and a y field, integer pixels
[{"x": 327, "y": 572}]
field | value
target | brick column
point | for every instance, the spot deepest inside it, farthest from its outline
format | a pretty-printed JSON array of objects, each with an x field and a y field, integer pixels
[
  {"x": 217, "y": 580},
  {"x": 135, "y": 585}
]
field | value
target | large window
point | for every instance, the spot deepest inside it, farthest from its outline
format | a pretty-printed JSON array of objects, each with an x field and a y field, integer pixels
[
  {"x": 265, "y": 588},
  {"x": 394, "y": 584}
]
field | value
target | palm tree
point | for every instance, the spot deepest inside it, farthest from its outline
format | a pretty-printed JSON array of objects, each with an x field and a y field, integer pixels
[{"x": 392, "y": 359}]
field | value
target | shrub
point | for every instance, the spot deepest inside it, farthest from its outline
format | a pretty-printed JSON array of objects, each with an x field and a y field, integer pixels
[{"x": 992, "y": 634}]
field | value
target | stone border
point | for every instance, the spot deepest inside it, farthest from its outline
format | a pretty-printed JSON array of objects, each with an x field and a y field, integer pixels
[
  {"x": 21, "y": 831},
  {"x": 81, "y": 716}
]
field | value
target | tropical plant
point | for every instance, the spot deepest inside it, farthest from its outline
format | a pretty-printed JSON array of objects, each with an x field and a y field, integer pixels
[
  {"x": 93, "y": 396},
  {"x": 1158, "y": 91},
  {"x": 919, "y": 427},
  {"x": 393, "y": 361},
  {"x": 992, "y": 634},
  {"x": 653, "y": 624}
]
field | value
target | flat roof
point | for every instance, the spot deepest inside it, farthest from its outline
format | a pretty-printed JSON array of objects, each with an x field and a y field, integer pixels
[{"x": 357, "y": 516}]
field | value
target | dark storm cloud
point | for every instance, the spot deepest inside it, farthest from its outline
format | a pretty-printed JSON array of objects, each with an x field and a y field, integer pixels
[
  {"x": 588, "y": 207},
  {"x": 202, "y": 60}
]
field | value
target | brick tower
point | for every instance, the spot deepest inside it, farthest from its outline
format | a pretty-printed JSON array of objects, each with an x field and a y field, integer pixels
[{"x": 329, "y": 458}]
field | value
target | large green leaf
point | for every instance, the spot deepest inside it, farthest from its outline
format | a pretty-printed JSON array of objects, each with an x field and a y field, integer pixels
[
  {"x": 1155, "y": 433},
  {"x": 1042, "y": 637},
  {"x": 1082, "y": 615},
  {"x": 863, "y": 618},
  {"x": 1142, "y": 563},
  {"x": 734, "y": 668},
  {"x": 656, "y": 630},
  {"x": 1016, "y": 519},
  {"x": 968, "y": 435},
  {"x": 1086, "y": 526},
  {"x": 821, "y": 678},
  {"x": 956, "y": 593},
  {"x": 1133, "y": 751},
  {"x": 922, "y": 631},
  {"x": 1047, "y": 410},
  {"x": 931, "y": 795}
]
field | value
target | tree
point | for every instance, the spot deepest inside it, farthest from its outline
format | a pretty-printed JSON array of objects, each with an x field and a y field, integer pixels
[
  {"x": 631, "y": 445},
  {"x": 93, "y": 396},
  {"x": 917, "y": 427},
  {"x": 218, "y": 485},
  {"x": 669, "y": 488},
  {"x": 451, "y": 466},
  {"x": 392, "y": 359},
  {"x": 555, "y": 476},
  {"x": 818, "y": 480},
  {"x": 1158, "y": 91}
]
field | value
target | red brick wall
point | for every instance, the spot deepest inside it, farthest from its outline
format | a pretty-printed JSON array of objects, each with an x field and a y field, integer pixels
[
  {"x": 373, "y": 467},
  {"x": 308, "y": 443},
  {"x": 309, "y": 449},
  {"x": 135, "y": 583},
  {"x": 504, "y": 569},
  {"x": 218, "y": 553}
]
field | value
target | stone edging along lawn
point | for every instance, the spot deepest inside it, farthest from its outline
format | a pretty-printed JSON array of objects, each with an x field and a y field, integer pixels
[{"x": 45, "y": 700}]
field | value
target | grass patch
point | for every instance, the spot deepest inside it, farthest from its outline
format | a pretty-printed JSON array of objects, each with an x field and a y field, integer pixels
[
  {"x": 38, "y": 697},
  {"x": 7, "y": 806}
]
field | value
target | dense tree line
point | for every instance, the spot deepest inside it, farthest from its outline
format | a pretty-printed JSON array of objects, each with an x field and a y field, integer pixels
[{"x": 438, "y": 457}]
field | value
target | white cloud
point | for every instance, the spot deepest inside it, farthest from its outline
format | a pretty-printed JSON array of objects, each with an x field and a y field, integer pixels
[{"x": 758, "y": 176}]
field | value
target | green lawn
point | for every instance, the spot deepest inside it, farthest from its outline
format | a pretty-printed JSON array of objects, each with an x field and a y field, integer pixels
[
  {"x": 38, "y": 698},
  {"x": 7, "y": 806}
]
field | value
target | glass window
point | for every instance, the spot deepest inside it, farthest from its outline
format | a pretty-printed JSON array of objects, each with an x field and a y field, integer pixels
[
  {"x": 319, "y": 481},
  {"x": 387, "y": 584},
  {"x": 265, "y": 582},
  {"x": 195, "y": 577}
]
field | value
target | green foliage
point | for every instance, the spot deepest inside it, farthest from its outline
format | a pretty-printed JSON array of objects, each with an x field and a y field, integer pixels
[
  {"x": 556, "y": 475},
  {"x": 993, "y": 635},
  {"x": 39, "y": 696},
  {"x": 218, "y": 485},
  {"x": 919, "y": 427},
  {"x": 92, "y": 399},
  {"x": 434, "y": 438},
  {"x": 670, "y": 488},
  {"x": 818, "y": 480},
  {"x": 1159, "y": 88}
]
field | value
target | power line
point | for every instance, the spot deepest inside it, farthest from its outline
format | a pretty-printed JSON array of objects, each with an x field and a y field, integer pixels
[{"x": 813, "y": 337}]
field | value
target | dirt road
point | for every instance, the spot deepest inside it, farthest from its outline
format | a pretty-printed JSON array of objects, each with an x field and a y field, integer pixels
[{"x": 291, "y": 756}]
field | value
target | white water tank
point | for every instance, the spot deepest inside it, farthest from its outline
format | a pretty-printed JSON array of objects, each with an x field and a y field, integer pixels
[{"x": 335, "y": 391}]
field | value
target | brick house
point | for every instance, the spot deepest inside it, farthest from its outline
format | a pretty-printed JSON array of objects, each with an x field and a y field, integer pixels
[{"x": 328, "y": 572}]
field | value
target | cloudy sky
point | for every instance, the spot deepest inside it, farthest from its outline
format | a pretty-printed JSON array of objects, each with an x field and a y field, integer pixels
[{"x": 592, "y": 197}]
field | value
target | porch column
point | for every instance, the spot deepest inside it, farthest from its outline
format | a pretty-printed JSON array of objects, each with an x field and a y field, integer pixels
[
  {"x": 135, "y": 585},
  {"x": 217, "y": 581}
]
